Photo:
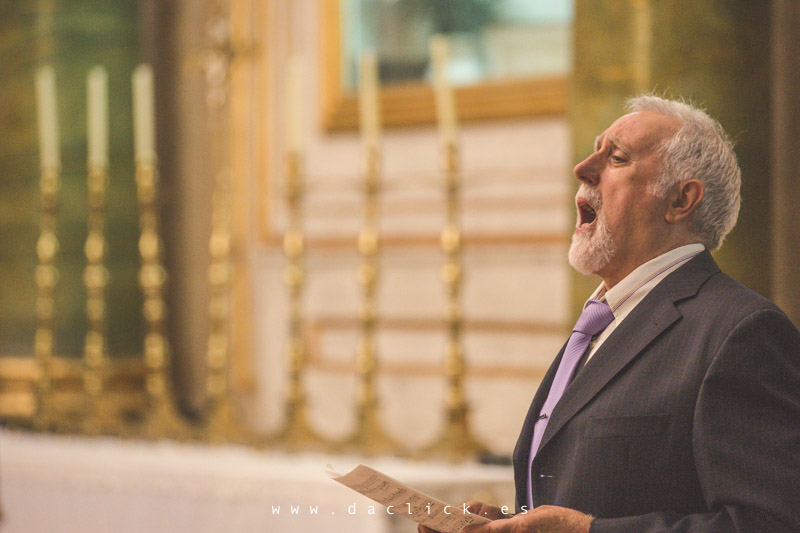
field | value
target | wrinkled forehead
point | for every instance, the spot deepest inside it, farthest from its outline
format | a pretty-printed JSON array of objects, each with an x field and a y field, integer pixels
[{"x": 640, "y": 131}]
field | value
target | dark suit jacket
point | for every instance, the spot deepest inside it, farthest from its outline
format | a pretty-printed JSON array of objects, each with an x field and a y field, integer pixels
[{"x": 687, "y": 418}]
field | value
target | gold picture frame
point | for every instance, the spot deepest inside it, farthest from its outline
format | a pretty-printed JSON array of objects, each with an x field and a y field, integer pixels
[{"x": 413, "y": 103}]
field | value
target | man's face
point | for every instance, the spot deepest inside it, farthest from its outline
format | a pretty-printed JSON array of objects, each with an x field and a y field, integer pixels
[{"x": 621, "y": 222}]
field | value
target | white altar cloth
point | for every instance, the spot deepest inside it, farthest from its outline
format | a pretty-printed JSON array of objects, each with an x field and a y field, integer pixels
[{"x": 52, "y": 484}]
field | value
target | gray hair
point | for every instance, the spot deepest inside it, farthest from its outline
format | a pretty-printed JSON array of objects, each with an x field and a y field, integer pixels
[{"x": 700, "y": 150}]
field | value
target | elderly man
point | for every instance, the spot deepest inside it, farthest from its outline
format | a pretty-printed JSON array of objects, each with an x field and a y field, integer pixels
[{"x": 675, "y": 404}]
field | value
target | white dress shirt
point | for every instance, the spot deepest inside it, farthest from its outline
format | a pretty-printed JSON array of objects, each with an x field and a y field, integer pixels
[{"x": 626, "y": 295}]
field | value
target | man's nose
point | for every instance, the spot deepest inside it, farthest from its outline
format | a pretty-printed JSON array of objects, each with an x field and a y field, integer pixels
[{"x": 587, "y": 171}]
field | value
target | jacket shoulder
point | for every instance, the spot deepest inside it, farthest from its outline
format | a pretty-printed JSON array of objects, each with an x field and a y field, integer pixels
[
  {"x": 723, "y": 294},
  {"x": 723, "y": 306}
]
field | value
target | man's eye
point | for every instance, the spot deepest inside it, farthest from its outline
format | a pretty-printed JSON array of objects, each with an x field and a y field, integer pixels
[{"x": 617, "y": 159}]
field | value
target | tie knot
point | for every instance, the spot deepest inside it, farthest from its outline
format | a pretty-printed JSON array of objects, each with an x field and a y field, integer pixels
[{"x": 595, "y": 318}]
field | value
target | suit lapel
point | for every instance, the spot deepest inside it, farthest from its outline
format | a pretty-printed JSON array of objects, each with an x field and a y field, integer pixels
[
  {"x": 648, "y": 320},
  {"x": 624, "y": 344}
]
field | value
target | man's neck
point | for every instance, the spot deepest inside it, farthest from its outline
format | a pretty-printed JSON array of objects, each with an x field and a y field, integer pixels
[{"x": 625, "y": 267}]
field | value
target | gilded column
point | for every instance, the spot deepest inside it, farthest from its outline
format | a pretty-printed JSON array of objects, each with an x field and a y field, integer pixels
[{"x": 223, "y": 422}]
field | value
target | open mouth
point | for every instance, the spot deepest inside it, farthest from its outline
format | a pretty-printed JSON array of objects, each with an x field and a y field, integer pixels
[{"x": 586, "y": 214}]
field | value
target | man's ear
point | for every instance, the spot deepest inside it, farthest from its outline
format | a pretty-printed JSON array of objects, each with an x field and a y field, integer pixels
[{"x": 683, "y": 200}]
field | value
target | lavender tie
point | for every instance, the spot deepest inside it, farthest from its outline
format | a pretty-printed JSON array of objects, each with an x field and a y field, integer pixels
[{"x": 595, "y": 318}]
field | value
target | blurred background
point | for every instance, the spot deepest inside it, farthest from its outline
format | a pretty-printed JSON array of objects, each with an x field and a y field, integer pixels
[{"x": 535, "y": 82}]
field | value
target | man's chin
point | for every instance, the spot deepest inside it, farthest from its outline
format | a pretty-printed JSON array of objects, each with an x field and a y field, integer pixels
[
  {"x": 579, "y": 263},
  {"x": 587, "y": 255}
]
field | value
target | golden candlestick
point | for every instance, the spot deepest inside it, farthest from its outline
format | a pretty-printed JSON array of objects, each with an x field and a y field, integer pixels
[
  {"x": 296, "y": 433},
  {"x": 456, "y": 443},
  {"x": 221, "y": 422},
  {"x": 46, "y": 278},
  {"x": 162, "y": 418},
  {"x": 369, "y": 436},
  {"x": 98, "y": 416},
  {"x": 222, "y": 425}
]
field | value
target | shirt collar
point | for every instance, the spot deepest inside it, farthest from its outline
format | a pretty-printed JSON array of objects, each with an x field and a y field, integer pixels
[{"x": 644, "y": 275}]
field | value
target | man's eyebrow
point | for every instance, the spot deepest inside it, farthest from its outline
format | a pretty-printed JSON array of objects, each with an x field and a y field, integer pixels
[
  {"x": 613, "y": 139},
  {"x": 619, "y": 144}
]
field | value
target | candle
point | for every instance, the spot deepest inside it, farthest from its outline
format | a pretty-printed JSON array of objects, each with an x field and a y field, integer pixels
[
  {"x": 368, "y": 104},
  {"x": 47, "y": 116},
  {"x": 445, "y": 105},
  {"x": 143, "y": 114},
  {"x": 97, "y": 120},
  {"x": 295, "y": 93}
]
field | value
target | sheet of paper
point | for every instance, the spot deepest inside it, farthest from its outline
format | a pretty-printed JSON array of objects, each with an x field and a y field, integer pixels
[{"x": 403, "y": 500}]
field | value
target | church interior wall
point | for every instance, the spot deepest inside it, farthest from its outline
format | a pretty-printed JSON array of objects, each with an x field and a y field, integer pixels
[{"x": 516, "y": 217}]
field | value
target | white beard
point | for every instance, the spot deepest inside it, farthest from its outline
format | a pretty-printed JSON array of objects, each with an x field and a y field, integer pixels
[{"x": 591, "y": 252}]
